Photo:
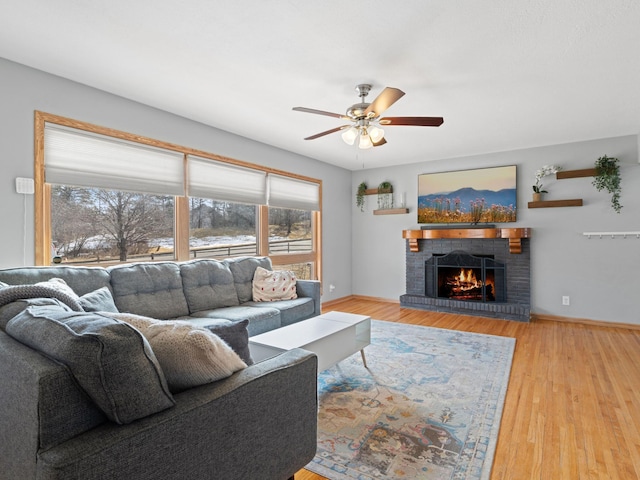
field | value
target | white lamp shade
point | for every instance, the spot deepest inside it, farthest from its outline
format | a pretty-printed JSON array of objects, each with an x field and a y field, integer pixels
[
  {"x": 349, "y": 135},
  {"x": 376, "y": 134},
  {"x": 365, "y": 141}
]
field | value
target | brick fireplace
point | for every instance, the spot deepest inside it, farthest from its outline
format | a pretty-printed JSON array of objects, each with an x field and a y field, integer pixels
[{"x": 501, "y": 290}]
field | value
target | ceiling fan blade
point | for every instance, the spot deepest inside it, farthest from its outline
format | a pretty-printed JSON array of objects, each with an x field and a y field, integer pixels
[
  {"x": 320, "y": 112},
  {"x": 388, "y": 97},
  {"x": 413, "y": 121},
  {"x": 322, "y": 134},
  {"x": 380, "y": 142}
]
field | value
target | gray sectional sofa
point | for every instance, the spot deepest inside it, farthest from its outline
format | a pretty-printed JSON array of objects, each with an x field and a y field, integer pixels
[{"x": 259, "y": 423}]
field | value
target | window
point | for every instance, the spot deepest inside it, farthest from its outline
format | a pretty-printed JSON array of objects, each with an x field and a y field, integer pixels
[
  {"x": 221, "y": 229},
  {"x": 105, "y": 196},
  {"x": 93, "y": 225}
]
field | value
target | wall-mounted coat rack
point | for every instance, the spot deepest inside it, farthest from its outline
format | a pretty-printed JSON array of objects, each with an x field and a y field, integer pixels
[{"x": 611, "y": 234}]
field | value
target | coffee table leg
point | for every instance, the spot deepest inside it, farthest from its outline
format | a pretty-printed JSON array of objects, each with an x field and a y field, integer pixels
[{"x": 364, "y": 360}]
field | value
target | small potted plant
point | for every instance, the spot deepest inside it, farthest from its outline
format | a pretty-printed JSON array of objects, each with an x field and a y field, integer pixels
[
  {"x": 608, "y": 178},
  {"x": 362, "y": 190},
  {"x": 540, "y": 174}
]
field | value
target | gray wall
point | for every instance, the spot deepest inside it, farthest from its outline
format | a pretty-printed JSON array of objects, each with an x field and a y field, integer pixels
[
  {"x": 599, "y": 275},
  {"x": 25, "y": 90}
]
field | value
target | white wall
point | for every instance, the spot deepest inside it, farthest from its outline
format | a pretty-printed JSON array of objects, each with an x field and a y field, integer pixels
[
  {"x": 25, "y": 90},
  {"x": 599, "y": 275}
]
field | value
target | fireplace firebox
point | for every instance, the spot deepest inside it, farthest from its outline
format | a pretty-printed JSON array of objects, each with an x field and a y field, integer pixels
[{"x": 462, "y": 276}]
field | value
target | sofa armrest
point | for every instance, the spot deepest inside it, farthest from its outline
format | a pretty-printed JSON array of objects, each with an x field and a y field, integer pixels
[
  {"x": 42, "y": 406},
  {"x": 310, "y": 288},
  {"x": 259, "y": 423}
]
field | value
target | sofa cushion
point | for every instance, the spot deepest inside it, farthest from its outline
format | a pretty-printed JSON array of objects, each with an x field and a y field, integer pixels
[
  {"x": 189, "y": 355},
  {"x": 260, "y": 319},
  {"x": 99, "y": 300},
  {"x": 291, "y": 311},
  {"x": 271, "y": 285},
  {"x": 235, "y": 334},
  {"x": 208, "y": 284},
  {"x": 81, "y": 279},
  {"x": 110, "y": 360},
  {"x": 150, "y": 289},
  {"x": 243, "y": 270}
]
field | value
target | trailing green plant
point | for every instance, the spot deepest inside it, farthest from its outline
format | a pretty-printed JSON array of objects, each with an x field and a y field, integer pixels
[
  {"x": 608, "y": 178},
  {"x": 360, "y": 195},
  {"x": 385, "y": 195}
]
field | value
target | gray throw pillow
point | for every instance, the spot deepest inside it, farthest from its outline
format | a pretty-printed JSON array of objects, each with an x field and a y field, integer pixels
[
  {"x": 236, "y": 335},
  {"x": 99, "y": 300},
  {"x": 10, "y": 310},
  {"x": 110, "y": 360}
]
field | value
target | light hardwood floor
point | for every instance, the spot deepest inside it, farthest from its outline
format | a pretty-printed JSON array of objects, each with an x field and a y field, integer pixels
[{"x": 572, "y": 409}]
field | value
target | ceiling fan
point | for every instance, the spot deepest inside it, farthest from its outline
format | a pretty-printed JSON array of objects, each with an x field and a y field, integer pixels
[{"x": 365, "y": 118}]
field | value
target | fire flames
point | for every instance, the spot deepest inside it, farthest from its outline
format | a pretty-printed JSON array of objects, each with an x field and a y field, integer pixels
[{"x": 466, "y": 280}]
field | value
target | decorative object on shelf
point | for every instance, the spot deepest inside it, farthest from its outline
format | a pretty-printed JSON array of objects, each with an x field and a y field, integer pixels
[
  {"x": 545, "y": 171},
  {"x": 608, "y": 177},
  {"x": 403, "y": 200},
  {"x": 385, "y": 196},
  {"x": 362, "y": 191}
]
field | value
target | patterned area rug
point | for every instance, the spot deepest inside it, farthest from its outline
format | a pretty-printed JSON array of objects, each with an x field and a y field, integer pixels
[{"x": 428, "y": 406}]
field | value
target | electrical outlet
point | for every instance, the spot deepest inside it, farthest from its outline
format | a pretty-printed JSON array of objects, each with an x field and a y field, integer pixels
[
  {"x": 566, "y": 300},
  {"x": 332, "y": 287}
]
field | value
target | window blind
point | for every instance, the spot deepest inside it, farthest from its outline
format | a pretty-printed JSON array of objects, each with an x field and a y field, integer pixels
[
  {"x": 226, "y": 182},
  {"x": 80, "y": 158},
  {"x": 288, "y": 192}
]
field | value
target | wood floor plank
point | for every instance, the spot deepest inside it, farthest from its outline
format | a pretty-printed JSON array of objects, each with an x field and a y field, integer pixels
[{"x": 572, "y": 409}]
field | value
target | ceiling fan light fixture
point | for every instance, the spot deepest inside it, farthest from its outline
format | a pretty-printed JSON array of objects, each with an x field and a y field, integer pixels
[
  {"x": 349, "y": 135},
  {"x": 365, "y": 141},
  {"x": 365, "y": 118},
  {"x": 376, "y": 134}
]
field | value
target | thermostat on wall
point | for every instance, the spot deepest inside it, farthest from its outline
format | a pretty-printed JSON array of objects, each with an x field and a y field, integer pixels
[{"x": 24, "y": 185}]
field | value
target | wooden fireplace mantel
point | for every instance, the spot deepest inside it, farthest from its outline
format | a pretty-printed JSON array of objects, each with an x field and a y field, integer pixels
[{"x": 514, "y": 235}]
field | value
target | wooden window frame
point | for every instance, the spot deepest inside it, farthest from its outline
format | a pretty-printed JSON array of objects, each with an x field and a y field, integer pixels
[{"x": 42, "y": 198}]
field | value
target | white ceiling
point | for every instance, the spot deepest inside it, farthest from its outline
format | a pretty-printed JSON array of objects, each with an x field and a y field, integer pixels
[{"x": 504, "y": 74}]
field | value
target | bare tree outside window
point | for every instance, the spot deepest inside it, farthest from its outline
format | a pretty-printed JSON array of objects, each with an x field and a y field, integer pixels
[
  {"x": 93, "y": 225},
  {"x": 289, "y": 230}
]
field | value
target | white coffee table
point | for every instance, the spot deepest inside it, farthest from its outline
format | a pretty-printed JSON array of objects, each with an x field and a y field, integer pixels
[{"x": 332, "y": 336}]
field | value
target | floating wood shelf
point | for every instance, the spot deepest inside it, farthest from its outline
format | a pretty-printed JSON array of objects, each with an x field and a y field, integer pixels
[
  {"x": 586, "y": 172},
  {"x": 374, "y": 191},
  {"x": 514, "y": 235},
  {"x": 391, "y": 211},
  {"x": 575, "y": 202}
]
